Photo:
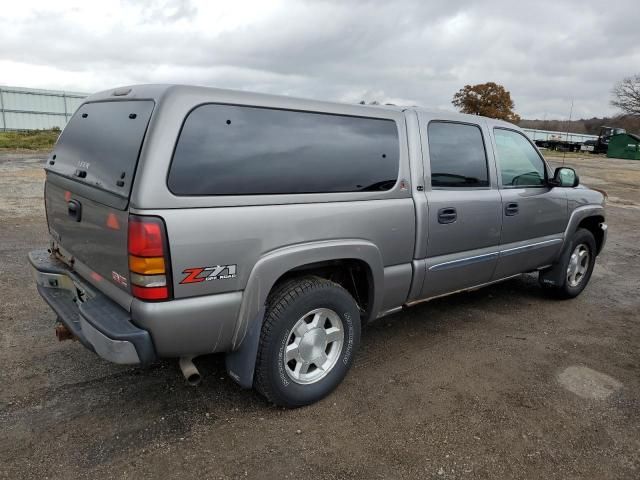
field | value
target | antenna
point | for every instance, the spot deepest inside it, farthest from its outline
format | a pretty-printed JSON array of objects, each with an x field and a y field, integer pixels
[{"x": 564, "y": 154}]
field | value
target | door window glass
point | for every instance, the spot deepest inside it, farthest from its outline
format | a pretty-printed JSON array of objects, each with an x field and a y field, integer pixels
[
  {"x": 457, "y": 155},
  {"x": 519, "y": 163}
]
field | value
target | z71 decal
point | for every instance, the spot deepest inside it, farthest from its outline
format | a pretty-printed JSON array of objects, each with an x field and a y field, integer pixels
[{"x": 204, "y": 274}]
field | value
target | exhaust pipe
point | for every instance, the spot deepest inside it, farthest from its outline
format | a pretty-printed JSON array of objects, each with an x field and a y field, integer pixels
[{"x": 190, "y": 371}]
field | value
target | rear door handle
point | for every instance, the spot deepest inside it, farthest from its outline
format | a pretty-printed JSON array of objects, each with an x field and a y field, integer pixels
[
  {"x": 511, "y": 209},
  {"x": 447, "y": 215}
]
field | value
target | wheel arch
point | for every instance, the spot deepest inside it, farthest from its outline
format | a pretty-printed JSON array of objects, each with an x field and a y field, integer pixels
[
  {"x": 289, "y": 261},
  {"x": 354, "y": 275},
  {"x": 589, "y": 217},
  {"x": 279, "y": 263},
  {"x": 592, "y": 223}
]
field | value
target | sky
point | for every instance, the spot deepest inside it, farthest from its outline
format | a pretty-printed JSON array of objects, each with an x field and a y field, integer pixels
[{"x": 546, "y": 53}]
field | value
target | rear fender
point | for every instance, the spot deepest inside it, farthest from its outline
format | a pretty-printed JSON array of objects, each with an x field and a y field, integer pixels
[{"x": 271, "y": 267}]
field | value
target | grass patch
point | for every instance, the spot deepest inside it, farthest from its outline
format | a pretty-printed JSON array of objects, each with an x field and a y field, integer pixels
[{"x": 32, "y": 140}]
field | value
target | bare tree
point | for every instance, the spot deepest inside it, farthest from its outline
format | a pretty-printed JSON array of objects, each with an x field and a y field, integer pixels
[{"x": 626, "y": 95}]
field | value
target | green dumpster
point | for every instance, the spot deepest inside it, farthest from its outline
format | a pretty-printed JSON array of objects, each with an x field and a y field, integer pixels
[{"x": 624, "y": 145}]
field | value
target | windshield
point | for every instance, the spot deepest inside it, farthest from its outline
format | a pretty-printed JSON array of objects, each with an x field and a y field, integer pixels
[{"x": 101, "y": 144}]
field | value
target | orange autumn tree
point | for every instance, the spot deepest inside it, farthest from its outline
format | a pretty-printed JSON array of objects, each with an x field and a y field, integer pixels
[{"x": 486, "y": 99}]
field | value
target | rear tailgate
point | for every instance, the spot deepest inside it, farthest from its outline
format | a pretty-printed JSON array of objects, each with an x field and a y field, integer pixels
[{"x": 89, "y": 180}]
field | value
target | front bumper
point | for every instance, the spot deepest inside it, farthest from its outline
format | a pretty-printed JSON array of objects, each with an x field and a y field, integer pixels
[{"x": 99, "y": 324}]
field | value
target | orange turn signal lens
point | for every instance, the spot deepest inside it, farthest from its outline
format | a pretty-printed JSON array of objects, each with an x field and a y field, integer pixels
[{"x": 147, "y": 265}]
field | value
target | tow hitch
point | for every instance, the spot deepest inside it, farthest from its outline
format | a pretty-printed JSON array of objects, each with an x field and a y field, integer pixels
[{"x": 63, "y": 333}]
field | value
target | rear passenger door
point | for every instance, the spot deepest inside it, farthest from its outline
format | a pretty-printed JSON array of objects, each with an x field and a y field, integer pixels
[
  {"x": 534, "y": 214},
  {"x": 464, "y": 206}
]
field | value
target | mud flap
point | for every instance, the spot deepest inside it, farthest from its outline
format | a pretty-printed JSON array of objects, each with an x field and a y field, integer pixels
[
  {"x": 555, "y": 275},
  {"x": 241, "y": 363}
]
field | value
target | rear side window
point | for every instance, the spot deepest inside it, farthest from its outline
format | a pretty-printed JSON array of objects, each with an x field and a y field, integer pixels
[
  {"x": 236, "y": 150},
  {"x": 101, "y": 144},
  {"x": 519, "y": 163},
  {"x": 458, "y": 157}
]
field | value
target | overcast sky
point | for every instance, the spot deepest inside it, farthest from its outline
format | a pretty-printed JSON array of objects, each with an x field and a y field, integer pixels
[{"x": 406, "y": 52}]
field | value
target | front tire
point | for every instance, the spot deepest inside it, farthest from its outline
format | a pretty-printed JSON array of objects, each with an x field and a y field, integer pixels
[
  {"x": 569, "y": 277},
  {"x": 309, "y": 338}
]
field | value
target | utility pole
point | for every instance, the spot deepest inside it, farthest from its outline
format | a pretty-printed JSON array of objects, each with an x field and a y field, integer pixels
[{"x": 567, "y": 136}]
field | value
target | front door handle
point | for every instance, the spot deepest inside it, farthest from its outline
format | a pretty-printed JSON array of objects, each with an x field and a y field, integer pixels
[
  {"x": 447, "y": 215},
  {"x": 511, "y": 209}
]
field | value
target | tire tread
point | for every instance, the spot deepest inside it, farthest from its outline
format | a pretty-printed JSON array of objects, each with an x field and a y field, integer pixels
[
  {"x": 563, "y": 291},
  {"x": 277, "y": 303}
]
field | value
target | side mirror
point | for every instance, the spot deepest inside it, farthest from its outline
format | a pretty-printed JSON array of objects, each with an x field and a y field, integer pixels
[{"x": 565, "y": 177}]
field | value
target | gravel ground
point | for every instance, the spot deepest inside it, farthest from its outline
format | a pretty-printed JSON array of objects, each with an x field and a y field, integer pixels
[{"x": 497, "y": 383}]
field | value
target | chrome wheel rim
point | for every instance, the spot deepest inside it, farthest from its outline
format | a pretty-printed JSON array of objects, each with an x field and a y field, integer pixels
[
  {"x": 313, "y": 346},
  {"x": 578, "y": 265}
]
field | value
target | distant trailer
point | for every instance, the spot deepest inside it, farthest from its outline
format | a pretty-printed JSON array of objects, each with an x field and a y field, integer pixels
[{"x": 563, "y": 141}]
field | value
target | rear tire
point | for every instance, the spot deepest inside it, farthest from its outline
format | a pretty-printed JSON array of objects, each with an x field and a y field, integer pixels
[
  {"x": 309, "y": 337},
  {"x": 569, "y": 277}
]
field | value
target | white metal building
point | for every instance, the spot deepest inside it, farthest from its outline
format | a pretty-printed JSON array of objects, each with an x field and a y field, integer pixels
[{"x": 34, "y": 109}]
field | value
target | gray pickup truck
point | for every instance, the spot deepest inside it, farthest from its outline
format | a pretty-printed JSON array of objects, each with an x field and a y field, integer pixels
[{"x": 188, "y": 220}]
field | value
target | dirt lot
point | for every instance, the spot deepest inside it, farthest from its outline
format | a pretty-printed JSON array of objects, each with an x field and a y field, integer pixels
[{"x": 498, "y": 383}]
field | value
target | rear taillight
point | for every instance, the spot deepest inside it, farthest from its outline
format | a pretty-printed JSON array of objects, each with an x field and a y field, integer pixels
[{"x": 149, "y": 270}]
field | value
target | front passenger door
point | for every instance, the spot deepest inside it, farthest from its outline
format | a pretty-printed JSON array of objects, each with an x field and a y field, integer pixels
[{"x": 534, "y": 214}]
